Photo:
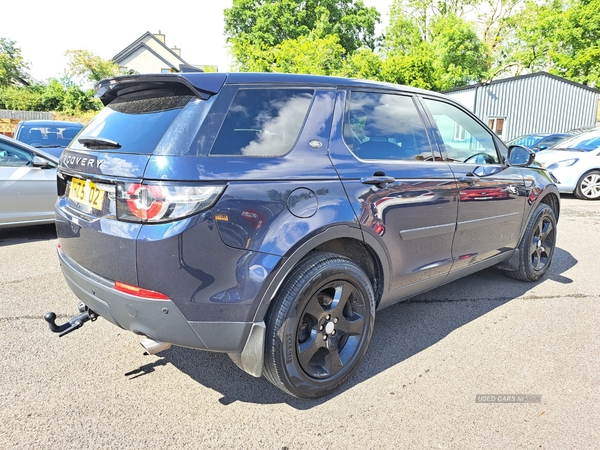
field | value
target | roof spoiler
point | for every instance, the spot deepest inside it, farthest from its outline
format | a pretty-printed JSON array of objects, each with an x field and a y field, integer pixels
[
  {"x": 186, "y": 68},
  {"x": 200, "y": 84}
]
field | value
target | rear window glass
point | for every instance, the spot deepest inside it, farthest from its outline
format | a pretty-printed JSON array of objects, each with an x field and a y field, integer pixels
[
  {"x": 137, "y": 124},
  {"x": 263, "y": 122}
]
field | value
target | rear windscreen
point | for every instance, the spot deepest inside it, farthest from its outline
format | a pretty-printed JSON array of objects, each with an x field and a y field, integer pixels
[{"x": 139, "y": 124}]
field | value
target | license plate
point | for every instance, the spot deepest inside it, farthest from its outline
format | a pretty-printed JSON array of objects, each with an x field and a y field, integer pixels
[{"x": 86, "y": 193}]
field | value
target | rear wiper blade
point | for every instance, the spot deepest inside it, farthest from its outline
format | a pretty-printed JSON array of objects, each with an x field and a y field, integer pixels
[{"x": 95, "y": 143}]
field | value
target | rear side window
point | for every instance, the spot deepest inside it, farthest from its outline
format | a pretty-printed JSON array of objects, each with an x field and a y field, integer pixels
[{"x": 263, "y": 122}]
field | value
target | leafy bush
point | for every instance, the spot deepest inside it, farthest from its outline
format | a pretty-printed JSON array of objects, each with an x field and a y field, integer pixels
[{"x": 54, "y": 96}]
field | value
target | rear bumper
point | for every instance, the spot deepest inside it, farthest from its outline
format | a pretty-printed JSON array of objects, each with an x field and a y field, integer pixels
[{"x": 160, "y": 320}]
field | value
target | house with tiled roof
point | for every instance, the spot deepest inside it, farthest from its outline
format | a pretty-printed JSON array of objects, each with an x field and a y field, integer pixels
[{"x": 150, "y": 54}]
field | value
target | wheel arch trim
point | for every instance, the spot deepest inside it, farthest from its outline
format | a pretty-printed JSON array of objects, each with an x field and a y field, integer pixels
[
  {"x": 251, "y": 359},
  {"x": 330, "y": 234}
]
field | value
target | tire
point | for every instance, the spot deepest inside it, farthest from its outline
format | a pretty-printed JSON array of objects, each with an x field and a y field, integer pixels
[
  {"x": 537, "y": 246},
  {"x": 320, "y": 326},
  {"x": 588, "y": 186}
]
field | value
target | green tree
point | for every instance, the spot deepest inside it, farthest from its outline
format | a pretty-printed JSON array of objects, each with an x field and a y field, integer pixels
[
  {"x": 52, "y": 96},
  {"x": 564, "y": 39},
  {"x": 12, "y": 66},
  {"x": 459, "y": 56},
  {"x": 363, "y": 63},
  {"x": 403, "y": 33},
  {"x": 77, "y": 100},
  {"x": 428, "y": 45},
  {"x": 87, "y": 65},
  {"x": 308, "y": 54},
  {"x": 529, "y": 44},
  {"x": 316, "y": 53},
  {"x": 255, "y": 27},
  {"x": 419, "y": 15},
  {"x": 576, "y": 55},
  {"x": 494, "y": 19},
  {"x": 415, "y": 69}
]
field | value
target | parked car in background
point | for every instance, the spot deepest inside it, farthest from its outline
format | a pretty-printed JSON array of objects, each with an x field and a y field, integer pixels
[
  {"x": 579, "y": 130},
  {"x": 268, "y": 216},
  {"x": 50, "y": 135},
  {"x": 575, "y": 163},
  {"x": 539, "y": 141},
  {"x": 27, "y": 184}
]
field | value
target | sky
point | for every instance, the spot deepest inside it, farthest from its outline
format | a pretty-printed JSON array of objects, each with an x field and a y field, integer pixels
[{"x": 44, "y": 30}]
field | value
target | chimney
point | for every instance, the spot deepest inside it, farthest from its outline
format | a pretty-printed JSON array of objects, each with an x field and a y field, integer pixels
[
  {"x": 160, "y": 36},
  {"x": 176, "y": 50}
]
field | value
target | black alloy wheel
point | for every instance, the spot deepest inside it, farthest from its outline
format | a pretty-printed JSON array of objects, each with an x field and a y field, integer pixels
[
  {"x": 537, "y": 246},
  {"x": 320, "y": 326}
]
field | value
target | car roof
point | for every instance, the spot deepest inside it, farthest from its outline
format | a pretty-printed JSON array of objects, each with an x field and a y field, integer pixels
[
  {"x": 209, "y": 83},
  {"x": 28, "y": 147},
  {"x": 290, "y": 78},
  {"x": 253, "y": 77},
  {"x": 53, "y": 123}
]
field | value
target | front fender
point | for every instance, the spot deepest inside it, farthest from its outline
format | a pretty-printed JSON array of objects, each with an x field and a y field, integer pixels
[{"x": 541, "y": 189}]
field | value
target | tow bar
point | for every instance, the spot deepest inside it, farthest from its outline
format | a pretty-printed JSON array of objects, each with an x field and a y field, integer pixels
[{"x": 73, "y": 324}]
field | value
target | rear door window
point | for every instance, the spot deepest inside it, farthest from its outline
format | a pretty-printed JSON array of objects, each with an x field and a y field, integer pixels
[{"x": 385, "y": 126}]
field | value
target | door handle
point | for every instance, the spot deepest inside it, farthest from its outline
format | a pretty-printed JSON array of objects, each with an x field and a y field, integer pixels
[{"x": 379, "y": 181}]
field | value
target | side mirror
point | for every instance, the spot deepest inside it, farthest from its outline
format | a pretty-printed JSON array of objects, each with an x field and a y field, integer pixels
[
  {"x": 520, "y": 156},
  {"x": 42, "y": 163}
]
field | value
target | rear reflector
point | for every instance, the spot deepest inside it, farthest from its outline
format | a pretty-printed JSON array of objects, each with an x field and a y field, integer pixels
[{"x": 139, "y": 292}]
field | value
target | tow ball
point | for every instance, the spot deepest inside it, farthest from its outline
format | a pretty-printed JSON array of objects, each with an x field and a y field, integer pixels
[{"x": 73, "y": 324}]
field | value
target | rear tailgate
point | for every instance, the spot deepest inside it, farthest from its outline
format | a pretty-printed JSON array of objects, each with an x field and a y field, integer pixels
[
  {"x": 87, "y": 229},
  {"x": 145, "y": 114}
]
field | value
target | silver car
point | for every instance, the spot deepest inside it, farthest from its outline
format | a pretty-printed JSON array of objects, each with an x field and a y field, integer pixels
[
  {"x": 575, "y": 162},
  {"x": 27, "y": 184}
]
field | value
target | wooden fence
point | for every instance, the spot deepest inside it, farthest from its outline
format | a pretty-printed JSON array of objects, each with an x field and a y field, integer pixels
[{"x": 9, "y": 119}]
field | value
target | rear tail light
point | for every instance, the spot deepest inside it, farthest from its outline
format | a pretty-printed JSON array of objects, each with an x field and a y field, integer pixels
[{"x": 158, "y": 202}]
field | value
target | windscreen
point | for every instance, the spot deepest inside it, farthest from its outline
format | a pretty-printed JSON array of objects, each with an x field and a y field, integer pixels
[
  {"x": 585, "y": 142},
  {"x": 41, "y": 136}
]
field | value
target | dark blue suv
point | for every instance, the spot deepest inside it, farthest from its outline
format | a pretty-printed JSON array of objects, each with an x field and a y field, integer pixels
[{"x": 269, "y": 216}]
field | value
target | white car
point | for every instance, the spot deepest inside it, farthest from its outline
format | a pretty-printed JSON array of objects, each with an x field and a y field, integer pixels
[
  {"x": 27, "y": 184},
  {"x": 575, "y": 163}
]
